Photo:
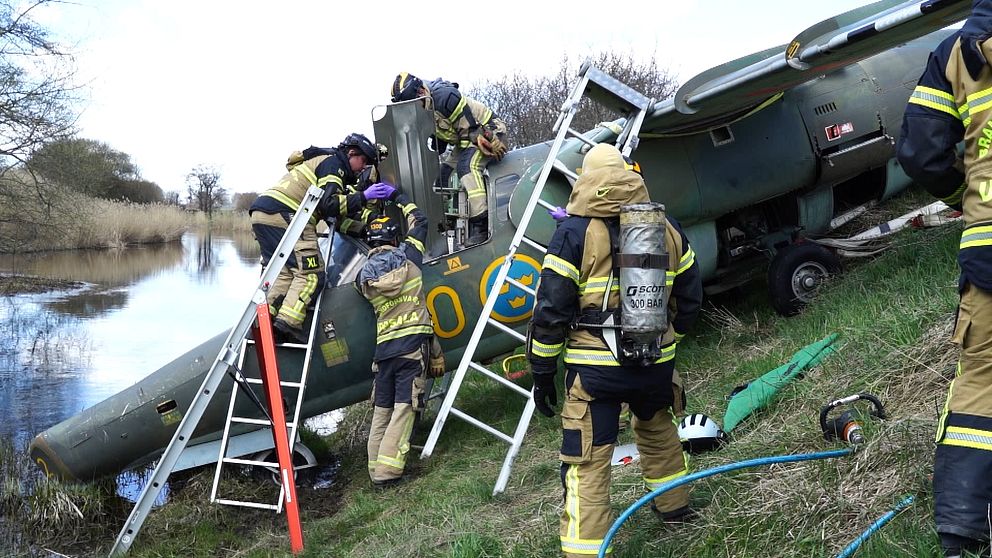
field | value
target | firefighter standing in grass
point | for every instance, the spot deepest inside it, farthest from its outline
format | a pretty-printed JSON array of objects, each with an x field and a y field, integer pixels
[
  {"x": 330, "y": 169},
  {"x": 951, "y": 104},
  {"x": 576, "y": 273},
  {"x": 476, "y": 135},
  {"x": 392, "y": 282}
]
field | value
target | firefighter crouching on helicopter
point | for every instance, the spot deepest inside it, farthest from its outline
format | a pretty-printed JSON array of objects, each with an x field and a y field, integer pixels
[
  {"x": 950, "y": 104},
  {"x": 477, "y": 137},
  {"x": 578, "y": 294},
  {"x": 406, "y": 350},
  {"x": 331, "y": 169}
]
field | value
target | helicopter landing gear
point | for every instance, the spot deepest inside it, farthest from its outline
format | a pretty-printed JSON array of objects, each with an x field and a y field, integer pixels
[{"x": 795, "y": 274}]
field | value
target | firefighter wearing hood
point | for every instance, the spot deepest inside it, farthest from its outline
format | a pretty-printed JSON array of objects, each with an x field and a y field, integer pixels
[
  {"x": 575, "y": 281},
  {"x": 952, "y": 103}
]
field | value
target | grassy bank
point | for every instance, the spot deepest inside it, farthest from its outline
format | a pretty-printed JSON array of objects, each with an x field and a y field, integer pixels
[{"x": 894, "y": 317}]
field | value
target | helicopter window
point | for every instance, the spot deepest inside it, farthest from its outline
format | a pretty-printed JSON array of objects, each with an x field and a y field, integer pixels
[
  {"x": 504, "y": 187},
  {"x": 345, "y": 261},
  {"x": 721, "y": 136}
]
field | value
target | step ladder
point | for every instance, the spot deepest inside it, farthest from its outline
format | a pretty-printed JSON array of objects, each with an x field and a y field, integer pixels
[
  {"x": 246, "y": 383},
  {"x": 608, "y": 91},
  {"x": 226, "y": 360}
]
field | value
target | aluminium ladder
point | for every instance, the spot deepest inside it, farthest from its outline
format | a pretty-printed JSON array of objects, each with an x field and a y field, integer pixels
[
  {"x": 226, "y": 360},
  {"x": 267, "y": 422},
  {"x": 610, "y": 92}
]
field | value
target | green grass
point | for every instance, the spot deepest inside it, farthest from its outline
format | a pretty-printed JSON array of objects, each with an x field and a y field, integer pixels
[{"x": 894, "y": 317}]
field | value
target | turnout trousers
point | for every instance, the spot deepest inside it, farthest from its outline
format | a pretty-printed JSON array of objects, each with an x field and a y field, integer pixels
[
  {"x": 294, "y": 290},
  {"x": 962, "y": 477},
  {"x": 397, "y": 393},
  {"x": 589, "y": 433},
  {"x": 469, "y": 163}
]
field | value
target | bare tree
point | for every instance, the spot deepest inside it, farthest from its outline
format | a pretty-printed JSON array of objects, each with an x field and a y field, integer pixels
[
  {"x": 36, "y": 94},
  {"x": 530, "y": 105},
  {"x": 203, "y": 189},
  {"x": 242, "y": 200}
]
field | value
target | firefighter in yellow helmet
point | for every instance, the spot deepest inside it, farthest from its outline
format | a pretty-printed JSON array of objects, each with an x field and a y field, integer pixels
[
  {"x": 476, "y": 135},
  {"x": 391, "y": 281},
  {"x": 578, "y": 294},
  {"x": 330, "y": 169},
  {"x": 949, "y": 106}
]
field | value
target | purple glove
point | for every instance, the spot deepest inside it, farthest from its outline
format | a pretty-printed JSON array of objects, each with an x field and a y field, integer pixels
[
  {"x": 380, "y": 191},
  {"x": 558, "y": 213}
]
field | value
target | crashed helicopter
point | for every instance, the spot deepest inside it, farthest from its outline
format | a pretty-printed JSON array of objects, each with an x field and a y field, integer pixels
[{"x": 749, "y": 156}]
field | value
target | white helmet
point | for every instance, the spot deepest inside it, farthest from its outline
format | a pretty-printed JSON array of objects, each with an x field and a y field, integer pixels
[{"x": 699, "y": 432}]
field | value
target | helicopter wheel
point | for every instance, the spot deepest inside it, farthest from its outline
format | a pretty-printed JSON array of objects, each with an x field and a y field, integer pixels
[
  {"x": 304, "y": 463},
  {"x": 795, "y": 274}
]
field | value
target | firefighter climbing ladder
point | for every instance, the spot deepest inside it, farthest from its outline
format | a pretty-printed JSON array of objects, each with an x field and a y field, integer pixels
[
  {"x": 225, "y": 361},
  {"x": 607, "y": 91}
]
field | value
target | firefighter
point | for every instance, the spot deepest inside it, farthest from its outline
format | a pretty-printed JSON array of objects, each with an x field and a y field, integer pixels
[
  {"x": 948, "y": 106},
  {"x": 476, "y": 135},
  {"x": 331, "y": 169},
  {"x": 576, "y": 273},
  {"x": 406, "y": 350},
  {"x": 354, "y": 224}
]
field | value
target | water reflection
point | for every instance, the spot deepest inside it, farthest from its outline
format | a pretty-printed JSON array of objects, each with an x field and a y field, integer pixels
[{"x": 141, "y": 307}]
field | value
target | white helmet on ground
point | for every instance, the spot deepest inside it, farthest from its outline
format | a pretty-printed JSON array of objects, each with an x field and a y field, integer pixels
[{"x": 699, "y": 432}]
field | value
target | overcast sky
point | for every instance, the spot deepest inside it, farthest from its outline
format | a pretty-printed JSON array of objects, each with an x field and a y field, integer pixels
[{"x": 239, "y": 85}]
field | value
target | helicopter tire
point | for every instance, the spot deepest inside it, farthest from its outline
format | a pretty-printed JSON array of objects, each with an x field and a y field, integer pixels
[
  {"x": 796, "y": 272},
  {"x": 304, "y": 464}
]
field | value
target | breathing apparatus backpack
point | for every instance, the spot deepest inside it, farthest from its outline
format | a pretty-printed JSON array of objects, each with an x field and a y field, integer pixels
[{"x": 640, "y": 264}]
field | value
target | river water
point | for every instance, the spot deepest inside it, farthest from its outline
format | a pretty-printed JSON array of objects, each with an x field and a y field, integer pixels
[{"x": 61, "y": 352}]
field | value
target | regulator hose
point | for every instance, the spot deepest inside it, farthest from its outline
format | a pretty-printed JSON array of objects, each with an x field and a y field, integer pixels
[
  {"x": 875, "y": 527},
  {"x": 709, "y": 473}
]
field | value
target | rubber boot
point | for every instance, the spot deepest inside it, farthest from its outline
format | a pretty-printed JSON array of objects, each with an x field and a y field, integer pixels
[
  {"x": 955, "y": 546},
  {"x": 478, "y": 229}
]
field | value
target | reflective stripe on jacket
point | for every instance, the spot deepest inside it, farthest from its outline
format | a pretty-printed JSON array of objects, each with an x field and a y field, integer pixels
[{"x": 953, "y": 102}]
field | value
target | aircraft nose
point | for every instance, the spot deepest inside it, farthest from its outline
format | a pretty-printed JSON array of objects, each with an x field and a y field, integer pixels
[{"x": 48, "y": 460}]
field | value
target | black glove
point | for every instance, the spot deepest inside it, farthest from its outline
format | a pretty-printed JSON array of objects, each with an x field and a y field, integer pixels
[{"x": 545, "y": 394}]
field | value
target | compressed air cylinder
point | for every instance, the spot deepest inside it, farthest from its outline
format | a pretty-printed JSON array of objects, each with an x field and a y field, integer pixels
[{"x": 643, "y": 268}]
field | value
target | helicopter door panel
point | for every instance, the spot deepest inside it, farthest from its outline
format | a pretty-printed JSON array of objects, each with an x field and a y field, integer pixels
[{"x": 405, "y": 129}]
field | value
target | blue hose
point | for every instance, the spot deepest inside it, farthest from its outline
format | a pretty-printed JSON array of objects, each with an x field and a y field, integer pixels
[
  {"x": 874, "y": 527},
  {"x": 709, "y": 473}
]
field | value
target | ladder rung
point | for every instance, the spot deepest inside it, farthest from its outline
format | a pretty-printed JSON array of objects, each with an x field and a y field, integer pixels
[
  {"x": 286, "y": 345},
  {"x": 560, "y": 167},
  {"x": 519, "y": 336},
  {"x": 255, "y": 505},
  {"x": 258, "y": 381},
  {"x": 500, "y": 379},
  {"x": 534, "y": 244},
  {"x": 251, "y": 462},
  {"x": 478, "y": 423},
  {"x": 260, "y": 422},
  {"x": 521, "y": 286},
  {"x": 580, "y": 137}
]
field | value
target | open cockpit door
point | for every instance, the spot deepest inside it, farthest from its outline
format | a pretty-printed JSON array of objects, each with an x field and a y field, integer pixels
[{"x": 405, "y": 129}]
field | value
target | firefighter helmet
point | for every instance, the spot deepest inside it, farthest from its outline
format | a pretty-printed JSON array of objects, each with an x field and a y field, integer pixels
[
  {"x": 382, "y": 230},
  {"x": 699, "y": 432},
  {"x": 363, "y": 145},
  {"x": 406, "y": 87}
]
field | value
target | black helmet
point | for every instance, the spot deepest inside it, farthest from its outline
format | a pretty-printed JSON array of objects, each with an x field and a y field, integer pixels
[
  {"x": 382, "y": 230},
  {"x": 362, "y": 144},
  {"x": 406, "y": 87}
]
